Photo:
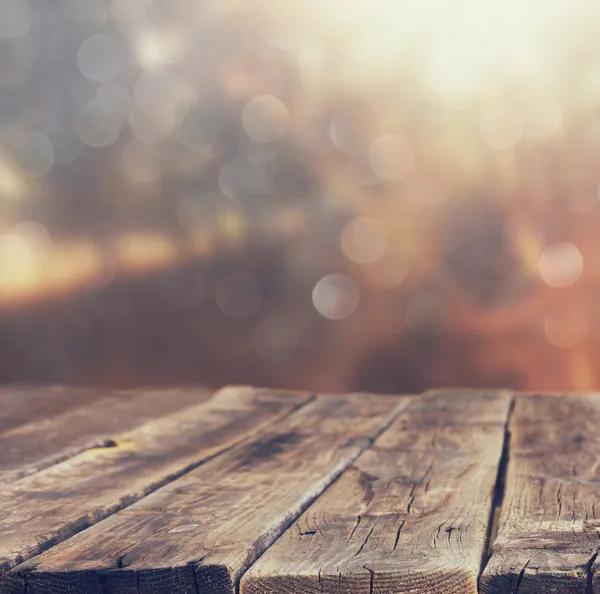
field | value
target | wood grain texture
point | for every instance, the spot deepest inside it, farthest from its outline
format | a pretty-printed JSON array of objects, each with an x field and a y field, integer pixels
[
  {"x": 547, "y": 537},
  {"x": 410, "y": 515},
  {"x": 201, "y": 532},
  {"x": 25, "y": 404},
  {"x": 45, "y": 508},
  {"x": 86, "y": 424}
]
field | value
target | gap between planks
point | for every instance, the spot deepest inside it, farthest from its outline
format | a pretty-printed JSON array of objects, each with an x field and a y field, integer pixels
[
  {"x": 547, "y": 536},
  {"x": 499, "y": 491}
]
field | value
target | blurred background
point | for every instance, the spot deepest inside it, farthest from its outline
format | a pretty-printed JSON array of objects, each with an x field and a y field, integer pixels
[{"x": 382, "y": 195}]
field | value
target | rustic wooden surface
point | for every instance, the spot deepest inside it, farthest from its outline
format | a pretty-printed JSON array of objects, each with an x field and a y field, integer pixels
[
  {"x": 98, "y": 415},
  {"x": 266, "y": 491},
  {"x": 209, "y": 526},
  {"x": 410, "y": 515},
  {"x": 22, "y": 404},
  {"x": 547, "y": 537},
  {"x": 53, "y": 504}
]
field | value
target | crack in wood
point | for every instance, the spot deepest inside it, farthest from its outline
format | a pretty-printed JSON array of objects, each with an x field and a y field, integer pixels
[
  {"x": 362, "y": 546},
  {"x": 589, "y": 573},
  {"x": 398, "y": 534},
  {"x": 371, "y": 578},
  {"x": 499, "y": 491},
  {"x": 521, "y": 574},
  {"x": 358, "y": 519}
]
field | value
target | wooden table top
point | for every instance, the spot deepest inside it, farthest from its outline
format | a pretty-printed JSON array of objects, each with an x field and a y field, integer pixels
[{"x": 264, "y": 491}]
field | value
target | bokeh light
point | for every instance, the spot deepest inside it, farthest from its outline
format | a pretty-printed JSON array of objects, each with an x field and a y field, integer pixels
[
  {"x": 561, "y": 264},
  {"x": 335, "y": 297},
  {"x": 391, "y": 157},
  {"x": 265, "y": 119},
  {"x": 364, "y": 240},
  {"x": 427, "y": 172},
  {"x": 99, "y": 57}
]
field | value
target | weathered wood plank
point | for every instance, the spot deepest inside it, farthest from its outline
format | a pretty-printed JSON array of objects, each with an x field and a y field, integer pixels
[
  {"x": 548, "y": 529},
  {"x": 410, "y": 515},
  {"x": 462, "y": 407},
  {"x": 25, "y": 404},
  {"x": 38, "y": 444},
  {"x": 45, "y": 508},
  {"x": 201, "y": 532}
]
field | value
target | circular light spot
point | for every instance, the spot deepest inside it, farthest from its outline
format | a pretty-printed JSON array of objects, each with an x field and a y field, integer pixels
[
  {"x": 97, "y": 126},
  {"x": 364, "y": 240},
  {"x": 425, "y": 314},
  {"x": 238, "y": 295},
  {"x": 501, "y": 127},
  {"x": 99, "y": 57},
  {"x": 167, "y": 46},
  {"x": 265, "y": 119},
  {"x": 275, "y": 338},
  {"x": 350, "y": 128},
  {"x": 561, "y": 265},
  {"x": 15, "y": 19},
  {"x": 138, "y": 163},
  {"x": 567, "y": 328},
  {"x": 391, "y": 157},
  {"x": 335, "y": 297},
  {"x": 32, "y": 153}
]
